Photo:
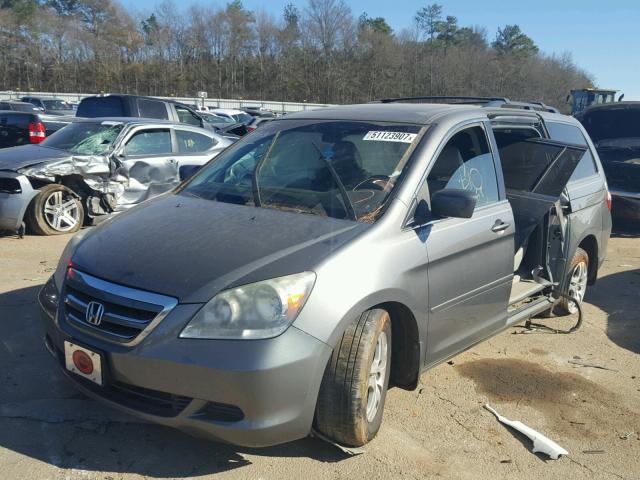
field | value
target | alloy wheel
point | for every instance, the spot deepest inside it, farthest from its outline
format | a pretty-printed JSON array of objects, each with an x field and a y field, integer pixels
[
  {"x": 577, "y": 285},
  {"x": 61, "y": 211},
  {"x": 377, "y": 373}
]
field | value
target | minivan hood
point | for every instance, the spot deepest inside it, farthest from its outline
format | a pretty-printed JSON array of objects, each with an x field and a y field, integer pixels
[
  {"x": 15, "y": 158},
  {"x": 191, "y": 248}
]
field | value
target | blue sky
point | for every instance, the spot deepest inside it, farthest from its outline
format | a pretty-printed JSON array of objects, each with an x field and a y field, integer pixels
[{"x": 602, "y": 36}]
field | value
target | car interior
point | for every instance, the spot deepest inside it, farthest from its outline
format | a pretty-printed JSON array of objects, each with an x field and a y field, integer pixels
[
  {"x": 535, "y": 174},
  {"x": 329, "y": 171},
  {"x": 534, "y": 178}
]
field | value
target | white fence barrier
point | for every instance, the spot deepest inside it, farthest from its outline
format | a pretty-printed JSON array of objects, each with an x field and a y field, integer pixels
[{"x": 283, "y": 107}]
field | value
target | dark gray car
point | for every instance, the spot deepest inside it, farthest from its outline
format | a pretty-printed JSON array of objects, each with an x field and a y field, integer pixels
[{"x": 324, "y": 257}]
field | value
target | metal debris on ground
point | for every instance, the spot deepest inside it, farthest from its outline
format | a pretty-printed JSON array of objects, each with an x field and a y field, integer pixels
[
  {"x": 347, "y": 450},
  {"x": 591, "y": 452},
  {"x": 626, "y": 436},
  {"x": 541, "y": 443},
  {"x": 590, "y": 365}
]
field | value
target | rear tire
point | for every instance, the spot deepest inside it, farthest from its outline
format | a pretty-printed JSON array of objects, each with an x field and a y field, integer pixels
[
  {"x": 354, "y": 386},
  {"x": 576, "y": 283},
  {"x": 55, "y": 210}
]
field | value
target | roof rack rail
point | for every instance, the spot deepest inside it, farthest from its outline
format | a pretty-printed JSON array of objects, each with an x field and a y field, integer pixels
[
  {"x": 495, "y": 102},
  {"x": 535, "y": 106},
  {"x": 446, "y": 99}
]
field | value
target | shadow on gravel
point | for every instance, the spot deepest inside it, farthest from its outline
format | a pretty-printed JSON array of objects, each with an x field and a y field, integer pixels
[
  {"x": 617, "y": 295},
  {"x": 44, "y": 417}
]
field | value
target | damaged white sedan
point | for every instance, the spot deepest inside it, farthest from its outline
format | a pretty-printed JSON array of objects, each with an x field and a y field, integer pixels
[{"x": 96, "y": 167}]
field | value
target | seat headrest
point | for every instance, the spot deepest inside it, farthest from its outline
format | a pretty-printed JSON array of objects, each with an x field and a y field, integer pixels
[{"x": 447, "y": 162}]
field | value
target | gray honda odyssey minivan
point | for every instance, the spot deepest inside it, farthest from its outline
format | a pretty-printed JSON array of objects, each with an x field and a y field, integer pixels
[{"x": 326, "y": 256}]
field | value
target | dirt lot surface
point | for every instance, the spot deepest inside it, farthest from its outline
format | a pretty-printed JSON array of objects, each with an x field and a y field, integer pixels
[{"x": 50, "y": 431}]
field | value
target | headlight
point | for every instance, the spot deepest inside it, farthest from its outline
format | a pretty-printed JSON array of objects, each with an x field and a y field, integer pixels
[
  {"x": 65, "y": 258},
  {"x": 49, "y": 297},
  {"x": 258, "y": 310}
]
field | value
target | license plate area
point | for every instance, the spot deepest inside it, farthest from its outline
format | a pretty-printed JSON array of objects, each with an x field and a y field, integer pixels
[{"x": 84, "y": 362}]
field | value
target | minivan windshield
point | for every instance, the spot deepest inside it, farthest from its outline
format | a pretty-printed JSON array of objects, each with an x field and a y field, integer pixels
[
  {"x": 85, "y": 138},
  {"x": 339, "y": 169}
]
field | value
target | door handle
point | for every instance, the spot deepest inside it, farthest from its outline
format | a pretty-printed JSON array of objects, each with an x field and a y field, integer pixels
[{"x": 500, "y": 226}]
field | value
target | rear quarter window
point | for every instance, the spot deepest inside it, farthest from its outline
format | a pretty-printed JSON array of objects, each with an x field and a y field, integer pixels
[
  {"x": 187, "y": 116},
  {"x": 101, "y": 107},
  {"x": 192, "y": 142},
  {"x": 571, "y": 134},
  {"x": 152, "y": 109}
]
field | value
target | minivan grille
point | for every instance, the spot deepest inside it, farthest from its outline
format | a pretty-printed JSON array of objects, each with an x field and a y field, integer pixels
[{"x": 111, "y": 311}]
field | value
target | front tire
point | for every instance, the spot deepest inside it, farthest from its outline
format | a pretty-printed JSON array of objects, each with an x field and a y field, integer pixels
[
  {"x": 54, "y": 211},
  {"x": 354, "y": 386}
]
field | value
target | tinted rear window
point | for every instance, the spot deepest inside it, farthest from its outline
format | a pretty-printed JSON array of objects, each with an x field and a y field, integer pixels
[
  {"x": 101, "y": 107},
  {"x": 152, "y": 109}
]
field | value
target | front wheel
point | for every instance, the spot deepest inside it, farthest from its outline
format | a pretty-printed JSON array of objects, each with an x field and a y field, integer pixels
[
  {"x": 354, "y": 386},
  {"x": 55, "y": 210}
]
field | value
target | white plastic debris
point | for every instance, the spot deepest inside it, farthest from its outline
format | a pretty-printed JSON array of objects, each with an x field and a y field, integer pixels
[{"x": 541, "y": 443}]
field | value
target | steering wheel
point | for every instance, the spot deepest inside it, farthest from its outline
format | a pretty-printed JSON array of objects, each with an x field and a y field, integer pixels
[{"x": 374, "y": 182}]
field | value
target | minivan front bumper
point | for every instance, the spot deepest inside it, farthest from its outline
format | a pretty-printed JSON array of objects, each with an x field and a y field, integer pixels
[{"x": 252, "y": 393}]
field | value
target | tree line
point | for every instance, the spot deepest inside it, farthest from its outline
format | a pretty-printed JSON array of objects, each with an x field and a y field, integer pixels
[{"x": 319, "y": 52}]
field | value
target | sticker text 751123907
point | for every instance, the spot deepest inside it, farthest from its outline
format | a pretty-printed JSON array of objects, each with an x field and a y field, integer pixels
[{"x": 381, "y": 136}]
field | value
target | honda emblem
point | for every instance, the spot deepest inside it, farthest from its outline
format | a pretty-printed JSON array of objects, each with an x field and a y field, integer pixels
[{"x": 94, "y": 313}]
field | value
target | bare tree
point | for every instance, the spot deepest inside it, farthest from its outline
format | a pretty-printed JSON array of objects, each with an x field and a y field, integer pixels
[{"x": 320, "y": 53}]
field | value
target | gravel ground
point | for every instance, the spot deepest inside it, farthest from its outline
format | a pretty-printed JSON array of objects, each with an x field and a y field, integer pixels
[{"x": 50, "y": 431}]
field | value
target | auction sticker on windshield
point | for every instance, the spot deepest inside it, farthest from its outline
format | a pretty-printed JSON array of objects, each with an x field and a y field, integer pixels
[{"x": 381, "y": 136}]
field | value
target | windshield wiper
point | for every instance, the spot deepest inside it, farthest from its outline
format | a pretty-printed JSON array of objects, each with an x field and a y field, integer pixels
[{"x": 348, "y": 205}]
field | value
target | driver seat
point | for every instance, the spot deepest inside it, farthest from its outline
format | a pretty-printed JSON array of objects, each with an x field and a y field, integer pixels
[
  {"x": 447, "y": 164},
  {"x": 347, "y": 165}
]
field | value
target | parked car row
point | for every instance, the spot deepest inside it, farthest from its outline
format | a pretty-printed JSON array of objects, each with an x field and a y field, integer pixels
[
  {"x": 609, "y": 119},
  {"x": 321, "y": 259},
  {"x": 94, "y": 167},
  {"x": 134, "y": 148},
  {"x": 227, "y": 122}
]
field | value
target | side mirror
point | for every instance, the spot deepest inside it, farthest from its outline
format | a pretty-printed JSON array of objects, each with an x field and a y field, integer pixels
[
  {"x": 188, "y": 171},
  {"x": 453, "y": 202}
]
